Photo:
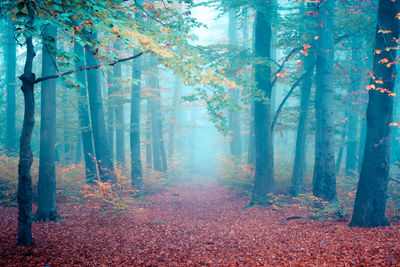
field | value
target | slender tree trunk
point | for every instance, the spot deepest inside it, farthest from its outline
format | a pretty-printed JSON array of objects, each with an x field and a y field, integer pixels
[
  {"x": 159, "y": 158},
  {"x": 173, "y": 120},
  {"x": 101, "y": 146},
  {"x": 149, "y": 153},
  {"x": 110, "y": 111},
  {"x": 233, "y": 116},
  {"x": 251, "y": 156},
  {"x": 370, "y": 202},
  {"x": 24, "y": 193},
  {"x": 324, "y": 179},
  {"x": 47, "y": 207},
  {"x": 78, "y": 151},
  {"x": 355, "y": 77},
  {"x": 86, "y": 128},
  {"x": 66, "y": 130},
  {"x": 11, "y": 60},
  {"x": 119, "y": 114},
  {"x": 300, "y": 159},
  {"x": 264, "y": 169},
  {"x": 136, "y": 161}
]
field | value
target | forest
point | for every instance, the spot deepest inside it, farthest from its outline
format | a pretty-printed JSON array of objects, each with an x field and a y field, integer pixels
[{"x": 199, "y": 133}]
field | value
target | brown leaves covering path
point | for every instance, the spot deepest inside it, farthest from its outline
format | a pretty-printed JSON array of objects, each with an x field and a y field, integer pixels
[{"x": 194, "y": 225}]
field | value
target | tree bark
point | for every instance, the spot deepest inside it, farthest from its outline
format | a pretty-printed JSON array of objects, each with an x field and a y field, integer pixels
[
  {"x": 101, "y": 146},
  {"x": 324, "y": 178},
  {"x": 10, "y": 59},
  {"x": 47, "y": 207},
  {"x": 370, "y": 202},
  {"x": 136, "y": 161},
  {"x": 264, "y": 169},
  {"x": 24, "y": 193}
]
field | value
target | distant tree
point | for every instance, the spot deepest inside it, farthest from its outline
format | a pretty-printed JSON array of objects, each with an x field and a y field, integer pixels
[
  {"x": 370, "y": 202},
  {"x": 159, "y": 155},
  {"x": 234, "y": 123},
  {"x": 10, "y": 49},
  {"x": 85, "y": 124},
  {"x": 305, "y": 92},
  {"x": 353, "y": 121},
  {"x": 136, "y": 160},
  {"x": 47, "y": 208}
]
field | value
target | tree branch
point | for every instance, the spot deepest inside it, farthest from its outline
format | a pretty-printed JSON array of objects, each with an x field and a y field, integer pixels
[
  {"x": 41, "y": 79},
  {"x": 278, "y": 111}
]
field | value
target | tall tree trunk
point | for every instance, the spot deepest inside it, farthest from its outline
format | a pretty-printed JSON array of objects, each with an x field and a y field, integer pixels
[
  {"x": 355, "y": 77},
  {"x": 66, "y": 131},
  {"x": 370, "y": 202},
  {"x": 361, "y": 145},
  {"x": 110, "y": 112},
  {"x": 47, "y": 208},
  {"x": 101, "y": 146},
  {"x": 24, "y": 193},
  {"x": 264, "y": 169},
  {"x": 119, "y": 114},
  {"x": 251, "y": 153},
  {"x": 149, "y": 145},
  {"x": 300, "y": 159},
  {"x": 173, "y": 120},
  {"x": 234, "y": 123},
  {"x": 78, "y": 151},
  {"x": 159, "y": 159},
  {"x": 11, "y": 60},
  {"x": 86, "y": 128},
  {"x": 324, "y": 178},
  {"x": 136, "y": 161}
]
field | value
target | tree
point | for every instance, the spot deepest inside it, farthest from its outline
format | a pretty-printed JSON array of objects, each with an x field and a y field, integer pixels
[
  {"x": 300, "y": 160},
  {"x": 11, "y": 60},
  {"x": 47, "y": 208},
  {"x": 234, "y": 124},
  {"x": 101, "y": 146},
  {"x": 24, "y": 193},
  {"x": 86, "y": 128},
  {"x": 324, "y": 178},
  {"x": 305, "y": 92},
  {"x": 136, "y": 160},
  {"x": 264, "y": 167},
  {"x": 159, "y": 155},
  {"x": 119, "y": 112},
  {"x": 173, "y": 120},
  {"x": 355, "y": 76},
  {"x": 370, "y": 202}
]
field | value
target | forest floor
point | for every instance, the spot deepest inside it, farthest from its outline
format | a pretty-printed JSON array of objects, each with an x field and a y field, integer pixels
[{"x": 197, "y": 224}]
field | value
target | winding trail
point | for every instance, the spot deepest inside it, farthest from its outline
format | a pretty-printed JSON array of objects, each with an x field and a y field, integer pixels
[{"x": 197, "y": 224}]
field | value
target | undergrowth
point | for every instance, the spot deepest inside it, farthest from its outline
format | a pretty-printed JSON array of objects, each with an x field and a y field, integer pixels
[
  {"x": 102, "y": 198},
  {"x": 239, "y": 177}
]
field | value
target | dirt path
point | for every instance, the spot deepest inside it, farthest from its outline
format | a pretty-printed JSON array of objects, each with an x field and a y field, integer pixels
[{"x": 197, "y": 224}]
